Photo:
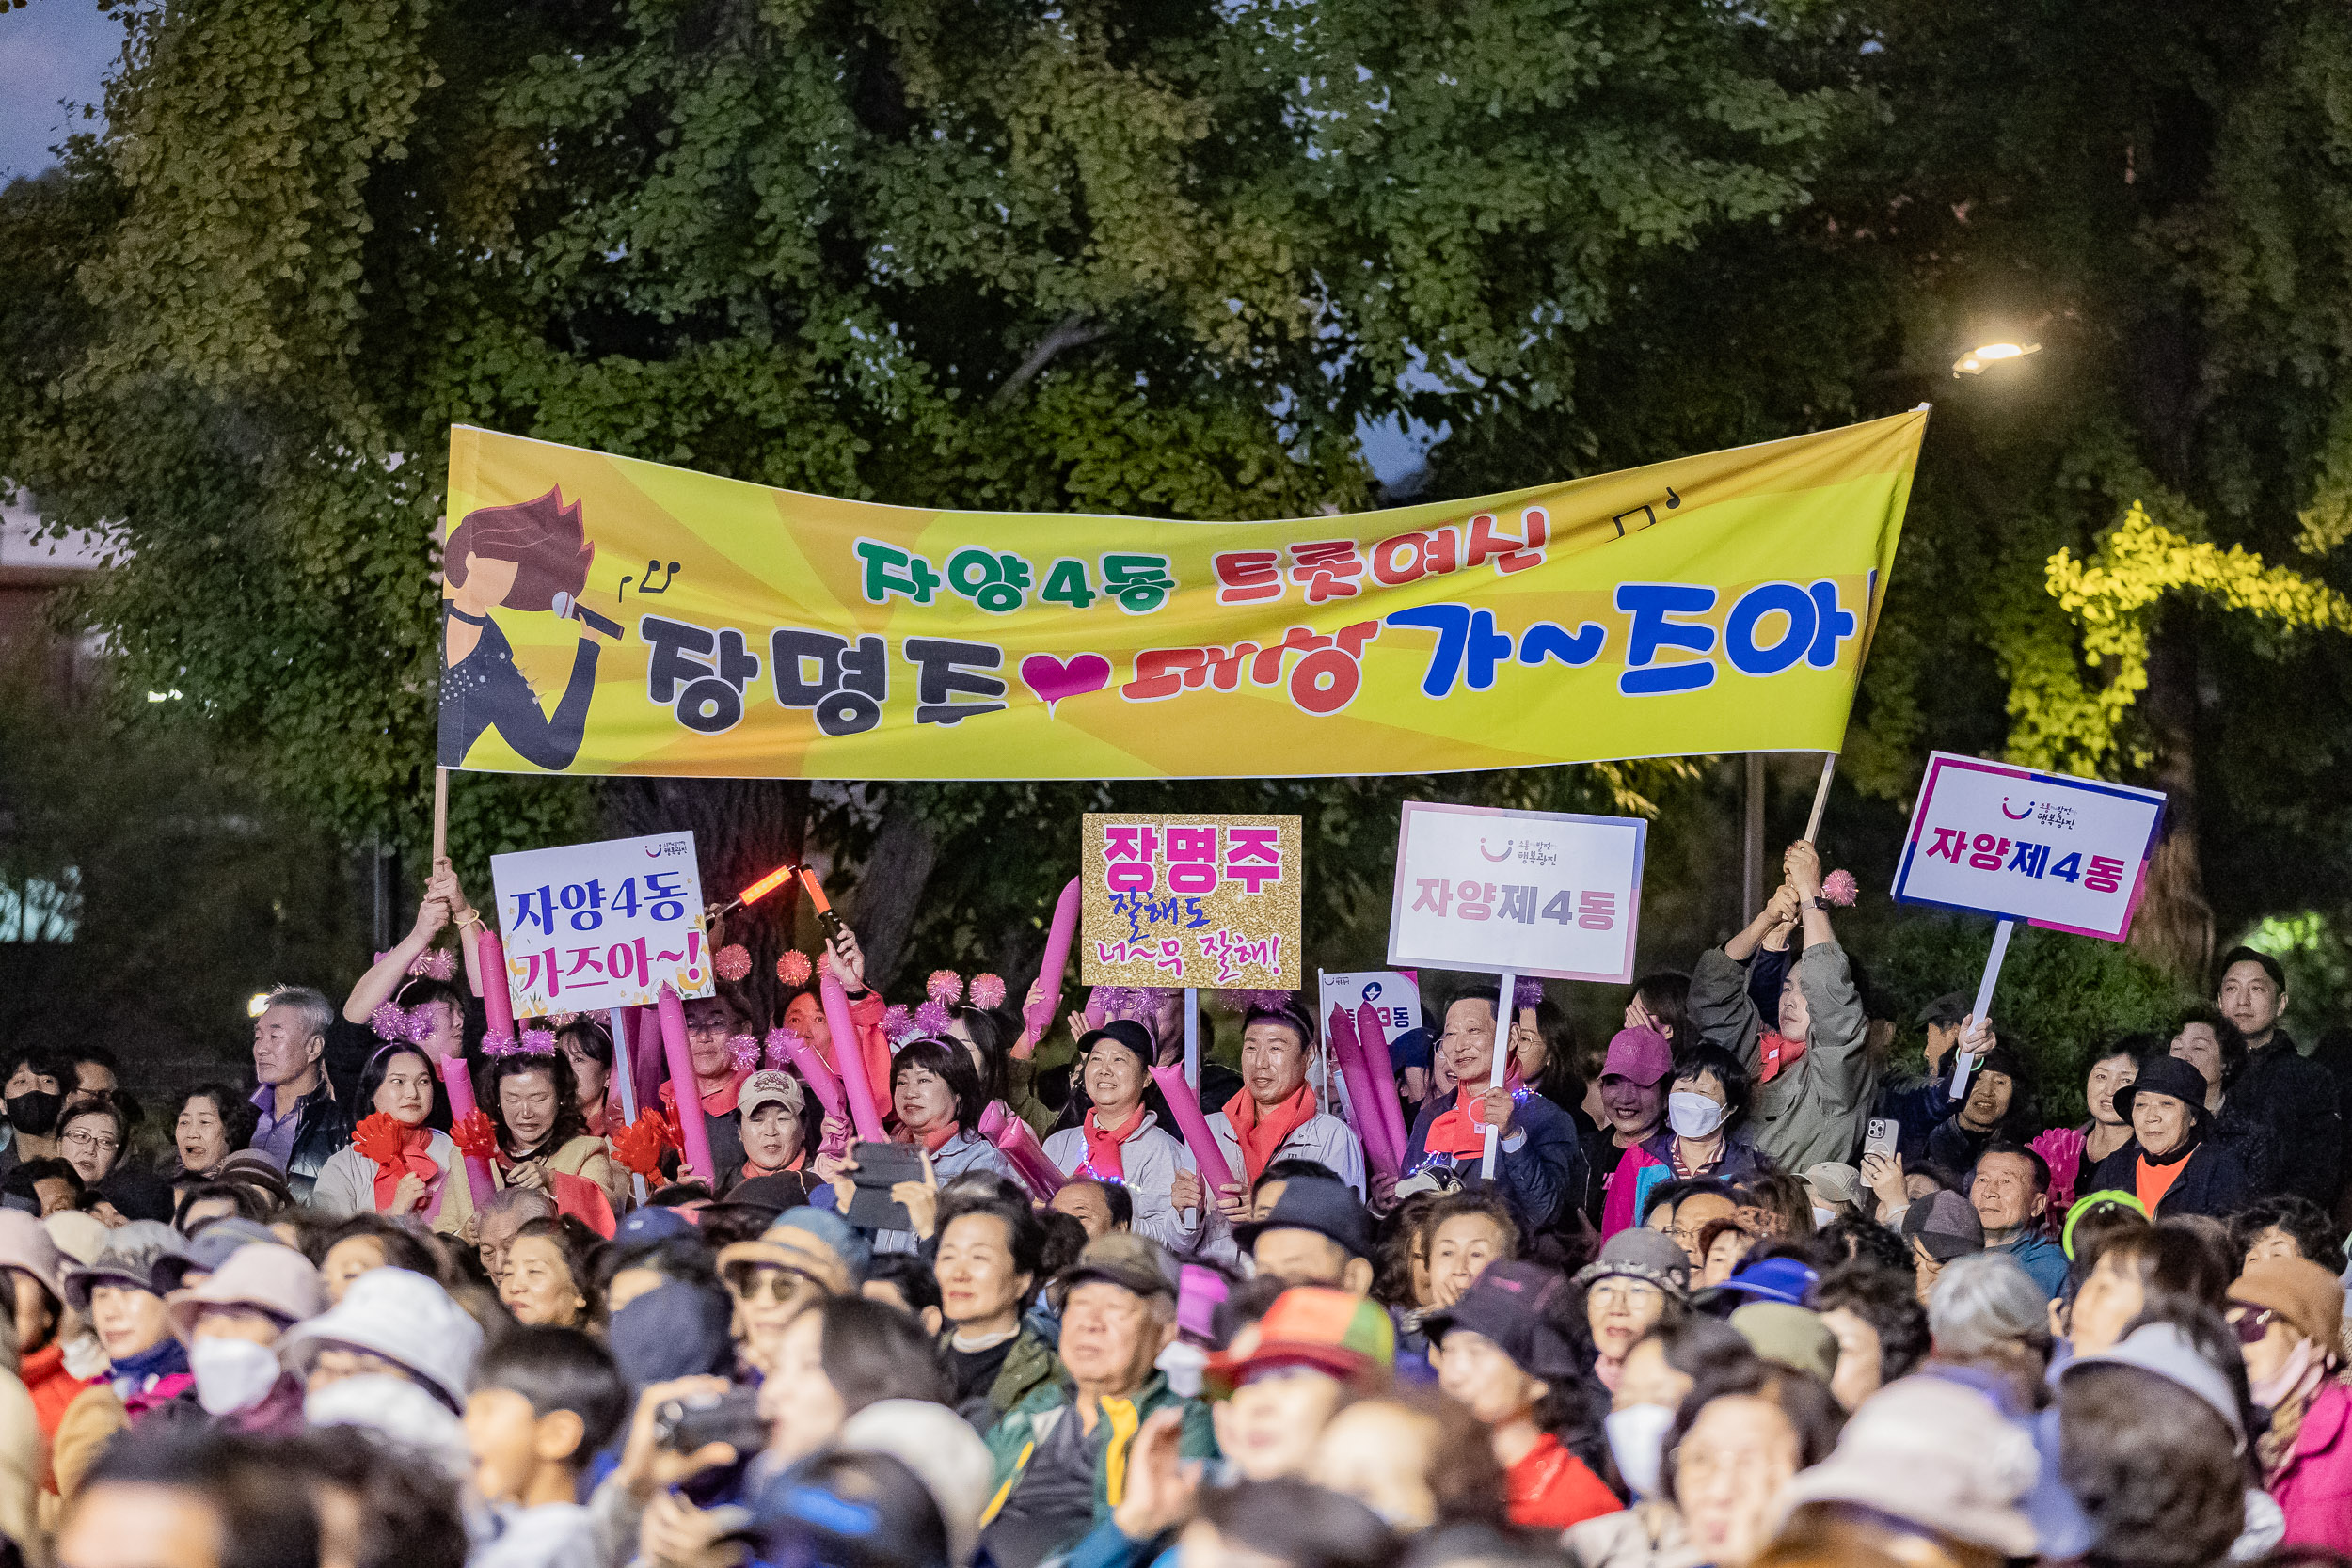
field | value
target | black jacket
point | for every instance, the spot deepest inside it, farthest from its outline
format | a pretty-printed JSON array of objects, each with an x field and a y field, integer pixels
[
  {"x": 324, "y": 1132},
  {"x": 2291, "y": 1099},
  {"x": 2213, "y": 1183}
]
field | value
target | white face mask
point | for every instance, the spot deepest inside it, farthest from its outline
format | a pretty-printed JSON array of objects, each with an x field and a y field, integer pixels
[
  {"x": 231, "y": 1375},
  {"x": 1637, "y": 1441},
  {"x": 1693, "y": 1116},
  {"x": 1822, "y": 1217}
]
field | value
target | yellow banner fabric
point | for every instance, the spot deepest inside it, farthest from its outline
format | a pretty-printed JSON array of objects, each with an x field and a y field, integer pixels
[{"x": 606, "y": 616}]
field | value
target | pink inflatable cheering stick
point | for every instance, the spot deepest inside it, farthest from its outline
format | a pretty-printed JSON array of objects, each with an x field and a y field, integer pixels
[
  {"x": 1373, "y": 1037},
  {"x": 1016, "y": 1143},
  {"x": 692, "y": 1135},
  {"x": 1183, "y": 1100},
  {"x": 1361, "y": 1094},
  {"x": 848, "y": 1052},
  {"x": 497, "y": 1000},
  {"x": 812, "y": 1069},
  {"x": 1040, "y": 1017}
]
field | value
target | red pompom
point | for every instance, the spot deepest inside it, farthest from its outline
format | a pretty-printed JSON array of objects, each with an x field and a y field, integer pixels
[
  {"x": 637, "y": 1146},
  {"x": 378, "y": 1137}
]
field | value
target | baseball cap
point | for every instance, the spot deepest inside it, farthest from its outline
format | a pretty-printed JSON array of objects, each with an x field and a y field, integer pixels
[
  {"x": 1313, "y": 1203},
  {"x": 1125, "y": 1033},
  {"x": 648, "y": 1226},
  {"x": 1333, "y": 1331},
  {"x": 1946, "y": 1224},
  {"x": 2165, "y": 1350},
  {"x": 1786, "y": 1280},
  {"x": 1126, "y": 1258},
  {"x": 1833, "y": 1181},
  {"x": 768, "y": 1087},
  {"x": 1640, "y": 1053},
  {"x": 1790, "y": 1335},
  {"x": 1932, "y": 1452}
]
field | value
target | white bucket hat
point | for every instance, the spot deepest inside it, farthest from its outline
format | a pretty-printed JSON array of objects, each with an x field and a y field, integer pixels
[{"x": 402, "y": 1316}]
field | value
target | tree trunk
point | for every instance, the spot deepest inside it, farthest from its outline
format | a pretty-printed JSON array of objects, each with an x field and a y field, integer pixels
[
  {"x": 743, "y": 829},
  {"x": 2174, "y": 926},
  {"x": 889, "y": 892}
]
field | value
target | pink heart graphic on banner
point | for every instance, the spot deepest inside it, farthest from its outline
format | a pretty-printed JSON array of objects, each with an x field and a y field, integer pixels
[{"x": 1052, "y": 679}]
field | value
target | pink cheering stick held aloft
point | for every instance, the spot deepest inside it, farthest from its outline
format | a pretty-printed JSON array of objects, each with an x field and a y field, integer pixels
[
  {"x": 863, "y": 1109},
  {"x": 692, "y": 1135},
  {"x": 794, "y": 1046},
  {"x": 1017, "y": 1144},
  {"x": 1373, "y": 1036},
  {"x": 1039, "y": 1016}
]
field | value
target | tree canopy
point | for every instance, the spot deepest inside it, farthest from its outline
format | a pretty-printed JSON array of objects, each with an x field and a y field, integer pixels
[{"x": 1167, "y": 260}]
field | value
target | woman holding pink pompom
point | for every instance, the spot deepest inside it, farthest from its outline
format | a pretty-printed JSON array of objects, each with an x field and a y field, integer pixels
[{"x": 1814, "y": 1079}]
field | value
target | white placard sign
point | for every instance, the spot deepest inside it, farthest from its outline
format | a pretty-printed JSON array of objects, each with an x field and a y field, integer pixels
[
  {"x": 590, "y": 926},
  {"x": 2063, "y": 853},
  {"x": 1396, "y": 996},
  {"x": 1498, "y": 892}
]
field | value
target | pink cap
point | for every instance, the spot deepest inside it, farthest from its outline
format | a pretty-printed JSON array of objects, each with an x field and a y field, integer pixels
[{"x": 1642, "y": 1054}]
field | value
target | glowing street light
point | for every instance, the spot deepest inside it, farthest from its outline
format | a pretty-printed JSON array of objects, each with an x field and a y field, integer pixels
[
  {"x": 257, "y": 1004},
  {"x": 1980, "y": 359}
]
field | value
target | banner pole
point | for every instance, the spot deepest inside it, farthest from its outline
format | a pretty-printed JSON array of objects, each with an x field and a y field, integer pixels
[
  {"x": 1820, "y": 800},
  {"x": 1504, "y": 1016},
  {"x": 1963, "y": 1064},
  {"x": 1751, "y": 840},
  {"x": 617, "y": 1018},
  {"x": 440, "y": 816},
  {"x": 1192, "y": 1037}
]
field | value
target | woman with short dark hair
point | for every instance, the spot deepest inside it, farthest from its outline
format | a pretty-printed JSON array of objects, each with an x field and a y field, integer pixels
[
  {"x": 936, "y": 1097},
  {"x": 214, "y": 1121}
]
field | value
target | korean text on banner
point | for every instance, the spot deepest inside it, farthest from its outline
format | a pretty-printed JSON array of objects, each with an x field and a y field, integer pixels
[
  {"x": 1397, "y": 997},
  {"x": 2062, "y": 853},
  {"x": 1185, "y": 900},
  {"x": 590, "y": 926},
  {"x": 1497, "y": 892},
  {"x": 606, "y": 616}
]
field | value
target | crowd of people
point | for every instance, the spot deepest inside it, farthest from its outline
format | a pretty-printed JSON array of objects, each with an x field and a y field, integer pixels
[{"x": 1730, "y": 1297}]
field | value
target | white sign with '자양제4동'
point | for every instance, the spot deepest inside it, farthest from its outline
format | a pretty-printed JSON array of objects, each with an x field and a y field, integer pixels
[{"x": 1496, "y": 892}]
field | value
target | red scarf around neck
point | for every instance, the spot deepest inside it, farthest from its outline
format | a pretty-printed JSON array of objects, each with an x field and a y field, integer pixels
[
  {"x": 1260, "y": 1134},
  {"x": 1461, "y": 1129},
  {"x": 1103, "y": 1147},
  {"x": 415, "y": 1158},
  {"x": 935, "y": 1140}
]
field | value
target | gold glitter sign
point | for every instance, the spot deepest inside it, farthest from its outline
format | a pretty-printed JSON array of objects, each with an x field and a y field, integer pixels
[{"x": 1186, "y": 900}]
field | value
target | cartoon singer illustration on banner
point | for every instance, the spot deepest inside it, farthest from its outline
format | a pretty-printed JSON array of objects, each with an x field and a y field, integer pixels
[{"x": 531, "y": 556}]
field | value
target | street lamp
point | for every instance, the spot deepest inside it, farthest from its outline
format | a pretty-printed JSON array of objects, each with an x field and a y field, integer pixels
[{"x": 1979, "y": 360}]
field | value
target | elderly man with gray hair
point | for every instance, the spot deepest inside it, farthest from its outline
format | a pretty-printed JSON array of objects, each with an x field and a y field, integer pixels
[
  {"x": 503, "y": 1219},
  {"x": 301, "y": 1127}
]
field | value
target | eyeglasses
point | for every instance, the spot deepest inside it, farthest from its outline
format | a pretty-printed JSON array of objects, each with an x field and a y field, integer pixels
[
  {"x": 2252, "y": 1323},
  {"x": 777, "y": 1284},
  {"x": 97, "y": 1143}
]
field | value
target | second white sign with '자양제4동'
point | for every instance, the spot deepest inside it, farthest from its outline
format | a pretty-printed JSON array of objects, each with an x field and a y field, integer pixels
[{"x": 1495, "y": 892}]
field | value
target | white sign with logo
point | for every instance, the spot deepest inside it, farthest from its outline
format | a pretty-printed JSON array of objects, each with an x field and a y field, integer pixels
[
  {"x": 1497, "y": 892},
  {"x": 590, "y": 926},
  {"x": 1396, "y": 996},
  {"x": 2063, "y": 853}
]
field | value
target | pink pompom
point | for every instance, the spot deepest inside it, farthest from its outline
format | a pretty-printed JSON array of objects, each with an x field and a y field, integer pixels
[
  {"x": 388, "y": 1022},
  {"x": 562, "y": 1021},
  {"x": 744, "y": 1051},
  {"x": 792, "y": 968},
  {"x": 780, "y": 1047},
  {"x": 433, "y": 964},
  {"x": 988, "y": 991},
  {"x": 945, "y": 987},
  {"x": 1129, "y": 1002},
  {"x": 1256, "y": 998},
  {"x": 731, "y": 962},
  {"x": 497, "y": 1044},
  {"x": 1527, "y": 992},
  {"x": 933, "y": 1018},
  {"x": 420, "y": 1027},
  {"x": 897, "y": 1024},
  {"x": 1839, "y": 888},
  {"x": 537, "y": 1042}
]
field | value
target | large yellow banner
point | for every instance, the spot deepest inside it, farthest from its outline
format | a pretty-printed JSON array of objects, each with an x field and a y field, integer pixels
[{"x": 606, "y": 616}]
